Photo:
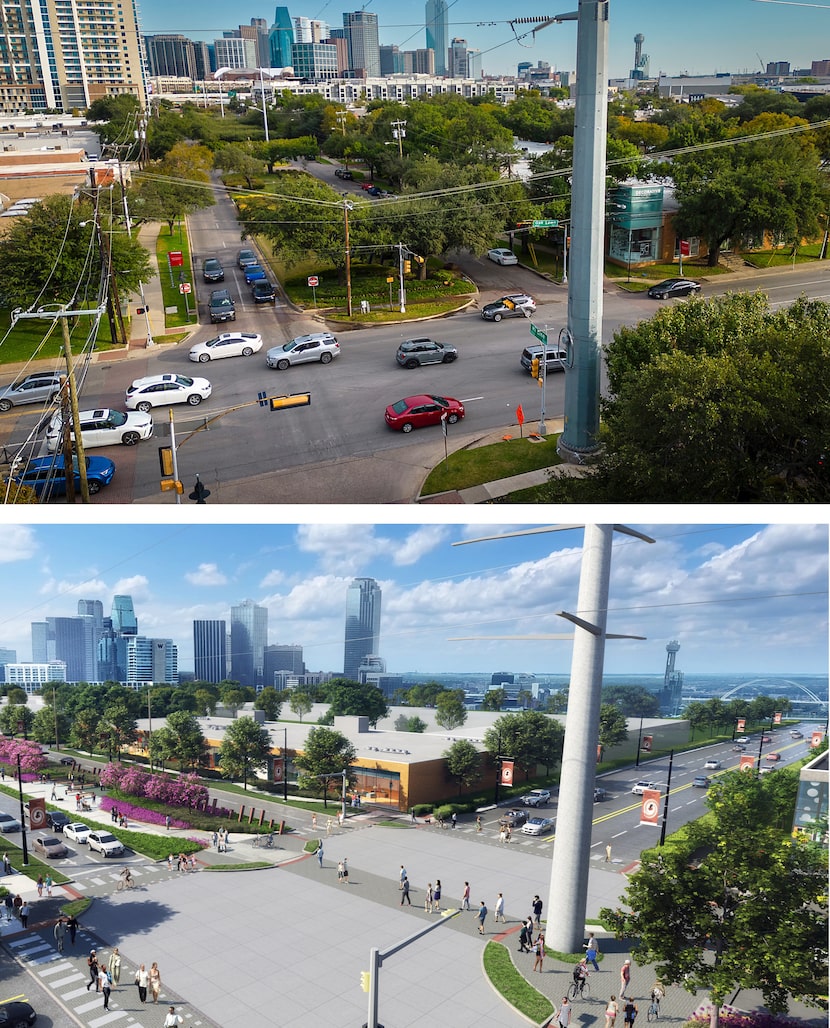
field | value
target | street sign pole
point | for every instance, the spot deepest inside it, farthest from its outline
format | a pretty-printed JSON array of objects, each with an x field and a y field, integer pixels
[{"x": 543, "y": 430}]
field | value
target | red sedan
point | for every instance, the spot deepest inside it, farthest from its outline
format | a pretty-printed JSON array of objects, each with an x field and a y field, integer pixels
[
  {"x": 417, "y": 411},
  {"x": 773, "y": 757}
]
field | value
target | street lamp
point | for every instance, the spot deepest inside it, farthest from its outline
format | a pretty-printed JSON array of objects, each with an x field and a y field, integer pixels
[
  {"x": 218, "y": 76},
  {"x": 263, "y": 71},
  {"x": 639, "y": 742},
  {"x": 348, "y": 206}
]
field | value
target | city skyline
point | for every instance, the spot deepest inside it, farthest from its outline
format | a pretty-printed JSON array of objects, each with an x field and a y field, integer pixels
[
  {"x": 738, "y": 598},
  {"x": 722, "y": 36}
]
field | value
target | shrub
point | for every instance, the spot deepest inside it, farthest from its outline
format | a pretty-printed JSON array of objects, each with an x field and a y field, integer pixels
[{"x": 422, "y": 809}]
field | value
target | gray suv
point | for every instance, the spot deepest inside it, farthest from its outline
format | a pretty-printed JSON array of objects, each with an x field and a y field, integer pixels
[
  {"x": 555, "y": 358},
  {"x": 221, "y": 306},
  {"x": 515, "y": 305},
  {"x": 36, "y": 388},
  {"x": 415, "y": 352}
]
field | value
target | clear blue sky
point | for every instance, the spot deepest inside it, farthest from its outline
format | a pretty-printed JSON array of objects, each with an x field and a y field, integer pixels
[
  {"x": 699, "y": 37},
  {"x": 739, "y": 598}
]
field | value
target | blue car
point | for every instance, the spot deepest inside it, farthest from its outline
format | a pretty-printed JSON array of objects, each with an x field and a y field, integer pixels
[
  {"x": 47, "y": 475},
  {"x": 254, "y": 272}
]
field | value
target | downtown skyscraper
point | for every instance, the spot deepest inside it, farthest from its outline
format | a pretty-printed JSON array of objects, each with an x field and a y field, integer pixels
[
  {"x": 210, "y": 651},
  {"x": 249, "y": 637},
  {"x": 362, "y": 625},
  {"x": 438, "y": 33}
]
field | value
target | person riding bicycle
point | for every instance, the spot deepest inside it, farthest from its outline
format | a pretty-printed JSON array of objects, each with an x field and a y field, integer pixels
[
  {"x": 127, "y": 877},
  {"x": 270, "y": 840},
  {"x": 580, "y": 974}
]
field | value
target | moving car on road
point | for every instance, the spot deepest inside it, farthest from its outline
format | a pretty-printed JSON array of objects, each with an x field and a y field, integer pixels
[
  {"x": 670, "y": 287},
  {"x": 599, "y": 794},
  {"x": 263, "y": 292},
  {"x": 40, "y": 387},
  {"x": 104, "y": 843},
  {"x": 246, "y": 257},
  {"x": 212, "y": 270},
  {"x": 712, "y": 765},
  {"x": 318, "y": 346},
  {"x": 47, "y": 475},
  {"x": 513, "y": 818},
  {"x": 414, "y": 352},
  {"x": 254, "y": 272},
  {"x": 343, "y": 173},
  {"x": 228, "y": 344},
  {"x": 772, "y": 758},
  {"x": 536, "y": 798},
  {"x": 418, "y": 411},
  {"x": 640, "y": 787},
  {"x": 517, "y": 305},
  {"x": 161, "y": 390},
  {"x": 554, "y": 358},
  {"x": 701, "y": 782},
  {"x": 502, "y": 256},
  {"x": 538, "y": 826},
  {"x": 221, "y": 306},
  {"x": 102, "y": 427},
  {"x": 17, "y": 1014}
]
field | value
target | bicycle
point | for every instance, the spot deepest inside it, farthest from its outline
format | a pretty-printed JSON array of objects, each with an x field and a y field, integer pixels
[
  {"x": 580, "y": 989},
  {"x": 125, "y": 883}
]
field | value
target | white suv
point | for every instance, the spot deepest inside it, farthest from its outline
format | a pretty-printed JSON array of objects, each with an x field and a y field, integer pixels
[
  {"x": 105, "y": 843},
  {"x": 641, "y": 787},
  {"x": 536, "y": 797},
  {"x": 102, "y": 428}
]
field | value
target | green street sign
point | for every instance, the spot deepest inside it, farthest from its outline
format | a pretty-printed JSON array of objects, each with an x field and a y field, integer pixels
[
  {"x": 540, "y": 335},
  {"x": 546, "y": 223}
]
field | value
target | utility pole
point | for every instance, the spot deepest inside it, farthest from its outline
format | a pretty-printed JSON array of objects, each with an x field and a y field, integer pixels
[
  {"x": 402, "y": 288},
  {"x": 341, "y": 120},
  {"x": 399, "y": 134},
  {"x": 145, "y": 310},
  {"x": 347, "y": 206}
]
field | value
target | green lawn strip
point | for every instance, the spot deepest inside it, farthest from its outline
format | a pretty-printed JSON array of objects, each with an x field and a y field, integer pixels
[
  {"x": 781, "y": 258},
  {"x": 177, "y": 242},
  {"x": 76, "y": 907},
  {"x": 34, "y": 868},
  {"x": 515, "y": 989},
  {"x": 251, "y": 865},
  {"x": 23, "y": 341},
  {"x": 466, "y": 468}
]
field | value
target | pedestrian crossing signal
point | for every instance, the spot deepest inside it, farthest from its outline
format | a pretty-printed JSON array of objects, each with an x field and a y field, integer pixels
[{"x": 365, "y": 977}]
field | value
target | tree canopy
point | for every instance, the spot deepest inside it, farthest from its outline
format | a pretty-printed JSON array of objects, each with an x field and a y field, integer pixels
[
  {"x": 352, "y": 698},
  {"x": 450, "y": 711},
  {"x": 530, "y": 738},
  {"x": 327, "y": 752},
  {"x": 463, "y": 763},
  {"x": 244, "y": 750}
]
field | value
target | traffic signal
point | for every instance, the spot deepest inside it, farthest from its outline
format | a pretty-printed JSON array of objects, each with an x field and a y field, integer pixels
[
  {"x": 534, "y": 367},
  {"x": 407, "y": 267},
  {"x": 199, "y": 494},
  {"x": 364, "y": 980},
  {"x": 166, "y": 460}
]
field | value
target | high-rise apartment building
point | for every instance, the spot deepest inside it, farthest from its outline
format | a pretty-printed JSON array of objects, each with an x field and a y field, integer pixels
[
  {"x": 152, "y": 660},
  {"x": 71, "y": 640},
  {"x": 205, "y": 58},
  {"x": 458, "y": 58},
  {"x": 314, "y": 61},
  {"x": 258, "y": 30},
  {"x": 438, "y": 34},
  {"x": 233, "y": 51},
  {"x": 210, "y": 651},
  {"x": 123, "y": 616},
  {"x": 170, "y": 56},
  {"x": 249, "y": 637},
  {"x": 63, "y": 54},
  {"x": 281, "y": 39},
  {"x": 364, "y": 48},
  {"x": 362, "y": 625}
]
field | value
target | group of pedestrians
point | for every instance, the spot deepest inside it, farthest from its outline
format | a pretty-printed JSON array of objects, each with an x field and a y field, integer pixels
[{"x": 105, "y": 975}]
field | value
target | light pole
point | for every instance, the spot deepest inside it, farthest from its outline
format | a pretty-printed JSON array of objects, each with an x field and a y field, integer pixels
[
  {"x": 22, "y": 813},
  {"x": 218, "y": 76},
  {"x": 639, "y": 742},
  {"x": 347, "y": 206},
  {"x": 262, "y": 93}
]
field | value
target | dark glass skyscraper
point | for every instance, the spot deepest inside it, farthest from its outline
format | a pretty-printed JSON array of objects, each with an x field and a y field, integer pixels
[
  {"x": 364, "y": 48},
  {"x": 210, "y": 651},
  {"x": 438, "y": 36},
  {"x": 249, "y": 636},
  {"x": 281, "y": 39},
  {"x": 362, "y": 624}
]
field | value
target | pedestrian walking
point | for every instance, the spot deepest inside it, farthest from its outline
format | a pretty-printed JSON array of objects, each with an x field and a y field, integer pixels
[
  {"x": 591, "y": 951},
  {"x": 465, "y": 899},
  {"x": 92, "y": 964},
  {"x": 508, "y": 833},
  {"x": 114, "y": 967},
  {"x": 72, "y": 928},
  {"x": 167, "y": 822},
  {"x": 155, "y": 981},
  {"x": 340, "y": 871},
  {"x": 630, "y": 1010},
  {"x": 40, "y": 886},
  {"x": 320, "y": 853},
  {"x": 104, "y": 985},
  {"x": 405, "y": 892},
  {"x": 524, "y": 938},
  {"x": 611, "y": 1012},
  {"x": 142, "y": 980},
  {"x": 8, "y": 906},
  {"x": 169, "y": 861},
  {"x": 7, "y": 864},
  {"x": 564, "y": 1015},
  {"x": 503, "y": 834},
  {"x": 314, "y": 822},
  {"x": 499, "y": 909},
  {"x": 215, "y": 839},
  {"x": 172, "y": 1019},
  {"x": 59, "y": 931},
  {"x": 608, "y": 853},
  {"x": 436, "y": 897},
  {"x": 625, "y": 978},
  {"x": 345, "y": 871},
  {"x": 479, "y": 825},
  {"x": 539, "y": 951},
  {"x": 25, "y": 910},
  {"x": 482, "y": 914},
  {"x": 53, "y": 796},
  {"x": 402, "y": 876},
  {"x": 48, "y": 883},
  {"x": 537, "y": 910},
  {"x": 428, "y": 899},
  {"x": 329, "y": 826},
  {"x": 454, "y": 819},
  {"x": 339, "y": 818},
  {"x": 18, "y": 903}
]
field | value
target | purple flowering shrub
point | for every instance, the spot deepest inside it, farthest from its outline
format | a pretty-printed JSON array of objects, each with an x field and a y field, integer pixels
[
  {"x": 134, "y": 813},
  {"x": 30, "y": 753},
  {"x": 184, "y": 791},
  {"x": 731, "y": 1017}
]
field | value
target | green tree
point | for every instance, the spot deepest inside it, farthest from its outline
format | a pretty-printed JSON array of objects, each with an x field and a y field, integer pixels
[
  {"x": 173, "y": 187},
  {"x": 162, "y": 747},
  {"x": 463, "y": 763},
  {"x": 327, "y": 752},
  {"x": 44, "y": 727},
  {"x": 238, "y": 160},
  {"x": 410, "y": 724},
  {"x": 424, "y": 695},
  {"x": 494, "y": 699},
  {"x": 244, "y": 750},
  {"x": 613, "y": 725},
  {"x": 206, "y": 697},
  {"x": 232, "y": 696},
  {"x": 269, "y": 700},
  {"x": 635, "y": 700},
  {"x": 699, "y": 906},
  {"x": 14, "y": 694},
  {"x": 557, "y": 702},
  {"x": 530, "y": 738},
  {"x": 300, "y": 704},
  {"x": 450, "y": 711},
  {"x": 352, "y": 698},
  {"x": 85, "y": 728},
  {"x": 117, "y": 727},
  {"x": 190, "y": 745},
  {"x": 16, "y": 718},
  {"x": 45, "y": 257}
]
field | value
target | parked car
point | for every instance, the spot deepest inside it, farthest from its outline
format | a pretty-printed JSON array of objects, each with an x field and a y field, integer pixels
[
  {"x": 517, "y": 305},
  {"x": 161, "y": 390},
  {"x": 418, "y": 411},
  {"x": 538, "y": 826},
  {"x": 47, "y": 475},
  {"x": 228, "y": 344},
  {"x": 554, "y": 357},
  {"x": 67, "y": 761},
  {"x": 246, "y": 257},
  {"x": 254, "y": 272},
  {"x": 57, "y": 820},
  {"x": 104, "y": 843},
  {"x": 366, "y": 185},
  {"x": 772, "y": 758},
  {"x": 599, "y": 794},
  {"x": 102, "y": 427},
  {"x": 513, "y": 818},
  {"x": 343, "y": 173},
  {"x": 374, "y": 190},
  {"x": 17, "y": 1014},
  {"x": 701, "y": 782},
  {"x": 212, "y": 270},
  {"x": 49, "y": 846},
  {"x": 221, "y": 306},
  {"x": 536, "y": 797},
  {"x": 643, "y": 786},
  {"x": 318, "y": 346},
  {"x": 502, "y": 256},
  {"x": 674, "y": 287},
  {"x": 414, "y": 352},
  {"x": 712, "y": 764},
  {"x": 40, "y": 387},
  {"x": 263, "y": 292},
  {"x": 77, "y": 832},
  {"x": 8, "y": 823}
]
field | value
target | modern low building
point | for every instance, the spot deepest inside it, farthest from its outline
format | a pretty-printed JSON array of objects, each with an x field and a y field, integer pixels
[{"x": 31, "y": 676}]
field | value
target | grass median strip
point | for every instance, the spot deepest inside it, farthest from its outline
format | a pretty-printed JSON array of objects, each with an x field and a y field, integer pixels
[
  {"x": 467, "y": 468},
  {"x": 507, "y": 981}
]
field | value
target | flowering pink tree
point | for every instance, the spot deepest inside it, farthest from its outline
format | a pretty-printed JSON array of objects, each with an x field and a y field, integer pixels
[{"x": 30, "y": 753}]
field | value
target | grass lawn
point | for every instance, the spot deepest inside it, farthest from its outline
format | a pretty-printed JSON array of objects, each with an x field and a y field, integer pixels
[
  {"x": 466, "y": 468},
  {"x": 177, "y": 242},
  {"x": 26, "y": 340},
  {"x": 507, "y": 981},
  {"x": 782, "y": 257}
]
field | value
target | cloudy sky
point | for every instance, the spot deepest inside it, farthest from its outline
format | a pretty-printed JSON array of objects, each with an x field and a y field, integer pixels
[{"x": 739, "y": 598}]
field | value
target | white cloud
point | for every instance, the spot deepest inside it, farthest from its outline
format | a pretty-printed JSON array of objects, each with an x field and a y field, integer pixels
[
  {"x": 349, "y": 549},
  {"x": 206, "y": 574},
  {"x": 19, "y": 543},
  {"x": 275, "y": 577}
]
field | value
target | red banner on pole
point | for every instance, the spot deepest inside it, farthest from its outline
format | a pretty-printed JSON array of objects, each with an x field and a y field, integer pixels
[
  {"x": 741, "y": 724},
  {"x": 685, "y": 248},
  {"x": 507, "y": 772},
  {"x": 747, "y": 764},
  {"x": 816, "y": 739},
  {"x": 520, "y": 415},
  {"x": 646, "y": 743},
  {"x": 776, "y": 717},
  {"x": 278, "y": 770},
  {"x": 650, "y": 809},
  {"x": 37, "y": 813}
]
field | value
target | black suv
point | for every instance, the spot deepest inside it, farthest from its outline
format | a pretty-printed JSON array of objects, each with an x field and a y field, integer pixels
[
  {"x": 343, "y": 173},
  {"x": 262, "y": 291},
  {"x": 57, "y": 820},
  {"x": 213, "y": 270},
  {"x": 221, "y": 306}
]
